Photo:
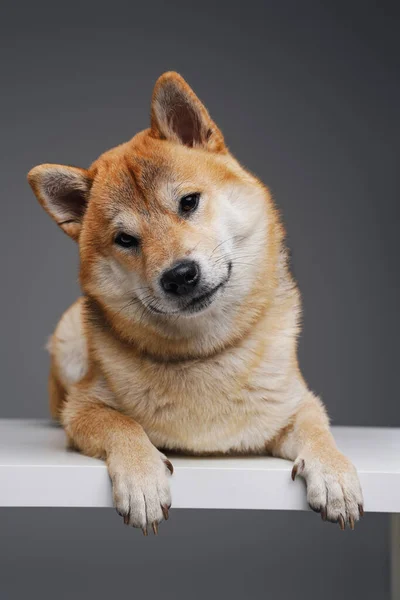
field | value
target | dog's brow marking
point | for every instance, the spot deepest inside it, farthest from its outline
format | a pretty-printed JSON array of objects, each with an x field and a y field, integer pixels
[
  {"x": 125, "y": 220},
  {"x": 144, "y": 212}
]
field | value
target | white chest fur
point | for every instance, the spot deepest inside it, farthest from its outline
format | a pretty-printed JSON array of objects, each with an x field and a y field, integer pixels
[{"x": 237, "y": 400}]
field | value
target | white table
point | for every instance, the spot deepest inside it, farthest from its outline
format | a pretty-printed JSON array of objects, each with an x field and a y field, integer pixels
[{"x": 37, "y": 470}]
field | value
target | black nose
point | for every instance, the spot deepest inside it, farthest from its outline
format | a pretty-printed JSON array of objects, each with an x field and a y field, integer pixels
[{"x": 181, "y": 279}]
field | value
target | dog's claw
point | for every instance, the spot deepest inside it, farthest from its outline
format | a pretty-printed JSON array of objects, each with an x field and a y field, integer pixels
[
  {"x": 298, "y": 467},
  {"x": 169, "y": 465},
  {"x": 126, "y": 519},
  {"x": 165, "y": 512},
  {"x": 351, "y": 522},
  {"x": 361, "y": 510},
  {"x": 155, "y": 527},
  {"x": 341, "y": 522},
  {"x": 144, "y": 530}
]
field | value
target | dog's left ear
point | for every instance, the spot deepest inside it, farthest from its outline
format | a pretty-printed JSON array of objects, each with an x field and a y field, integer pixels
[
  {"x": 63, "y": 192},
  {"x": 178, "y": 115}
]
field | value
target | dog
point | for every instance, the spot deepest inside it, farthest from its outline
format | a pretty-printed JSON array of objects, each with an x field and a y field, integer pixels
[{"x": 185, "y": 338}]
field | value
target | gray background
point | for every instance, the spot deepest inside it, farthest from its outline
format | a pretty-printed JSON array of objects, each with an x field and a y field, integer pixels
[{"x": 307, "y": 95}]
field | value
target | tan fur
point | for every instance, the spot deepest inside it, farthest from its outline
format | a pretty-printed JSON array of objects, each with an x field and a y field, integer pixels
[
  {"x": 56, "y": 393},
  {"x": 128, "y": 379}
]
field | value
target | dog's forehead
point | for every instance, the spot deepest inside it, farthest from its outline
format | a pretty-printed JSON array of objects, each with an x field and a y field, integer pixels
[
  {"x": 149, "y": 176},
  {"x": 133, "y": 182}
]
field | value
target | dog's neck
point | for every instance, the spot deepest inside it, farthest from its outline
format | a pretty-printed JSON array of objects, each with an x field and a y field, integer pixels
[{"x": 171, "y": 344}]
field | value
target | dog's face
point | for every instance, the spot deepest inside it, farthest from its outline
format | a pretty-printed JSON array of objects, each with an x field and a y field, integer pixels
[{"x": 169, "y": 225}]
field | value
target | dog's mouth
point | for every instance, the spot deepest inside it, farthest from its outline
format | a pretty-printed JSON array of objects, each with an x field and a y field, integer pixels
[
  {"x": 196, "y": 304},
  {"x": 204, "y": 300}
]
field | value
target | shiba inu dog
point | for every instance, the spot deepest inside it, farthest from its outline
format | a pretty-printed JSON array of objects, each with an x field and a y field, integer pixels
[{"x": 185, "y": 337}]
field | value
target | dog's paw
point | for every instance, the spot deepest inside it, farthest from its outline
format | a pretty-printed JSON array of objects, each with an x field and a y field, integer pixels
[
  {"x": 140, "y": 487},
  {"x": 333, "y": 488}
]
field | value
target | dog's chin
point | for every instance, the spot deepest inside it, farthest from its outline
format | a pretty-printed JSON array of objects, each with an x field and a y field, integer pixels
[{"x": 198, "y": 304}]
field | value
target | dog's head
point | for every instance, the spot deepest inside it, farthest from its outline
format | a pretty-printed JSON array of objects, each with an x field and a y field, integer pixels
[{"x": 169, "y": 224}]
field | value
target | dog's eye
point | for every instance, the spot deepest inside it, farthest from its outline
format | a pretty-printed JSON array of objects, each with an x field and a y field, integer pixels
[
  {"x": 189, "y": 203},
  {"x": 126, "y": 241}
]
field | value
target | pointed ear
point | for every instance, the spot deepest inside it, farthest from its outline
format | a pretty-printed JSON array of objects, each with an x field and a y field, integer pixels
[
  {"x": 63, "y": 193},
  {"x": 178, "y": 115}
]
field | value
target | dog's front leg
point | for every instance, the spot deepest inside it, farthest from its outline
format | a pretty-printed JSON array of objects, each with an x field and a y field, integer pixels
[
  {"x": 138, "y": 471},
  {"x": 333, "y": 488}
]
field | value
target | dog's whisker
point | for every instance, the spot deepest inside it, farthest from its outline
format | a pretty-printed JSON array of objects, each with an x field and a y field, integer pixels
[{"x": 221, "y": 243}]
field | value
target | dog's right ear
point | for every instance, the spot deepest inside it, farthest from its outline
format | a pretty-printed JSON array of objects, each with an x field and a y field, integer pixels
[{"x": 63, "y": 192}]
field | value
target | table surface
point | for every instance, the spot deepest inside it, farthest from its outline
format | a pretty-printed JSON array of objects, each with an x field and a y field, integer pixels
[{"x": 36, "y": 469}]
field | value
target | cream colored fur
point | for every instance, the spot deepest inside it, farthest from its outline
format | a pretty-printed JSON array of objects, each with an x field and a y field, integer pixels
[{"x": 130, "y": 383}]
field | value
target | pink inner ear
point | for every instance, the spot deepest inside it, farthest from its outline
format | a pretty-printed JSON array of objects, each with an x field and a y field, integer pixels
[
  {"x": 73, "y": 203},
  {"x": 186, "y": 124},
  {"x": 66, "y": 202}
]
